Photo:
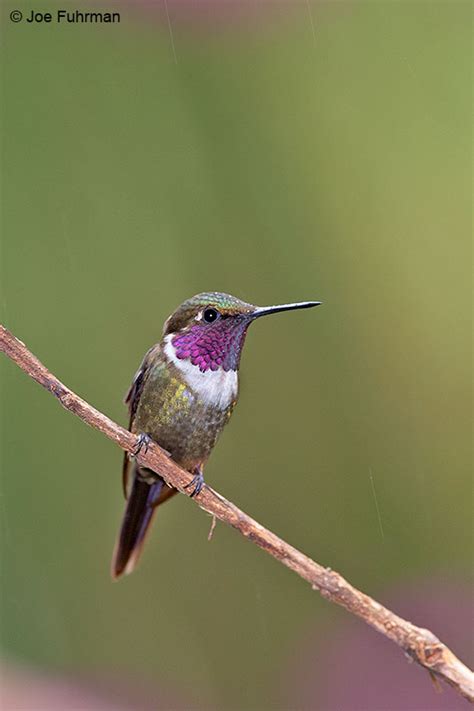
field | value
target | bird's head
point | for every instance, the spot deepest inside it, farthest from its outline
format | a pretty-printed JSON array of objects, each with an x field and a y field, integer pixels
[{"x": 209, "y": 329}]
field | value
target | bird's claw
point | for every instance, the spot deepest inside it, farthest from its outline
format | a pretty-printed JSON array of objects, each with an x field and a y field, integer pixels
[
  {"x": 143, "y": 442},
  {"x": 197, "y": 482}
]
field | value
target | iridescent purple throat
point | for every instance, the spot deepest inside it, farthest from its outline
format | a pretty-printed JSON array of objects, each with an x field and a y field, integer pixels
[{"x": 212, "y": 346}]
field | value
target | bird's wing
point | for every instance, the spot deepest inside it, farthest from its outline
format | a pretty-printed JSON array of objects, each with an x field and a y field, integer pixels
[
  {"x": 132, "y": 398},
  {"x": 135, "y": 390}
]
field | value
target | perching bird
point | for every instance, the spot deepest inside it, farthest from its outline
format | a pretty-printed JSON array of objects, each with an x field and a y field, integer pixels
[{"x": 181, "y": 397}]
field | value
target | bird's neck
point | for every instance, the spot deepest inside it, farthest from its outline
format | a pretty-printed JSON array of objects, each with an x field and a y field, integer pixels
[
  {"x": 212, "y": 346},
  {"x": 216, "y": 387}
]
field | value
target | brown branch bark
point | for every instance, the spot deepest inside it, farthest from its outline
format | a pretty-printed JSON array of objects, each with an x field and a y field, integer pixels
[{"x": 420, "y": 644}]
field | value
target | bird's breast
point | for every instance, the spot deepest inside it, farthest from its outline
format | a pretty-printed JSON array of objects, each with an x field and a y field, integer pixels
[{"x": 185, "y": 414}]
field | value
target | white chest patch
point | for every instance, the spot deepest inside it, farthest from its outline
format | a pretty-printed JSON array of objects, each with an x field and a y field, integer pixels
[{"x": 214, "y": 387}]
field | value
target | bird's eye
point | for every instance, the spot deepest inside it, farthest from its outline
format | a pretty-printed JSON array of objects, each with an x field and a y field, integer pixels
[{"x": 210, "y": 315}]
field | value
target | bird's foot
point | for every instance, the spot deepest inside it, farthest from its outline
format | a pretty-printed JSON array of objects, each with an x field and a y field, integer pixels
[
  {"x": 143, "y": 442},
  {"x": 197, "y": 482}
]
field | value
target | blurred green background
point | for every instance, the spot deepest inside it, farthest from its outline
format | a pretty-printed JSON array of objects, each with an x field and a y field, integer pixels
[{"x": 278, "y": 152}]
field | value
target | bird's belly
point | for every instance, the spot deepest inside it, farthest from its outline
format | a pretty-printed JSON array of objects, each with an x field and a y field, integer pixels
[{"x": 181, "y": 422}]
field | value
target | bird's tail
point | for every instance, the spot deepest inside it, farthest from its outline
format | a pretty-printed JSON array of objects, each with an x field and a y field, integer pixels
[{"x": 141, "y": 506}]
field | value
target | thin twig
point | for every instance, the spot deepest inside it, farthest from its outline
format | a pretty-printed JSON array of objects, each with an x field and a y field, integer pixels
[
  {"x": 211, "y": 530},
  {"x": 418, "y": 643}
]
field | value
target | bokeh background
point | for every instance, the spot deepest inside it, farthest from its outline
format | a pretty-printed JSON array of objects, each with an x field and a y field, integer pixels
[{"x": 276, "y": 151}]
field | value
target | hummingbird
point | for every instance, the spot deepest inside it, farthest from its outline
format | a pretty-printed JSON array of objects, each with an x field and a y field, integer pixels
[{"x": 181, "y": 397}]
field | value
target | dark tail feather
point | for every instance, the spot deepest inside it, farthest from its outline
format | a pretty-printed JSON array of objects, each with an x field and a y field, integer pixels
[{"x": 141, "y": 505}]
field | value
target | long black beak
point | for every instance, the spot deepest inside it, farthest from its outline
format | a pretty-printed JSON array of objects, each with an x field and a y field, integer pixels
[{"x": 265, "y": 310}]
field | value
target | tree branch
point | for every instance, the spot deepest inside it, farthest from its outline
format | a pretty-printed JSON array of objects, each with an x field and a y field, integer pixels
[{"x": 420, "y": 644}]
